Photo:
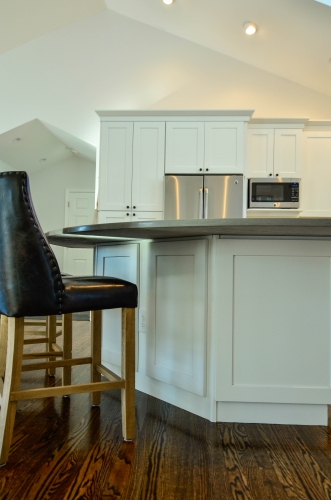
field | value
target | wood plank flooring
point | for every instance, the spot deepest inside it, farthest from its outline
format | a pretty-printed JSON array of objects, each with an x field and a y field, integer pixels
[{"x": 65, "y": 450}]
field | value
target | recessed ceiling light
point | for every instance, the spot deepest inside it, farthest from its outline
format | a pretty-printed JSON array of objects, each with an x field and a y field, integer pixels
[
  {"x": 42, "y": 159},
  {"x": 250, "y": 28},
  {"x": 168, "y": 2},
  {"x": 18, "y": 139}
]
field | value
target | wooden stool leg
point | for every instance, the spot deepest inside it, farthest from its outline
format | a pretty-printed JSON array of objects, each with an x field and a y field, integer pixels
[
  {"x": 51, "y": 334},
  {"x": 96, "y": 321},
  {"x": 67, "y": 347},
  {"x": 3, "y": 345},
  {"x": 128, "y": 374},
  {"x": 11, "y": 382}
]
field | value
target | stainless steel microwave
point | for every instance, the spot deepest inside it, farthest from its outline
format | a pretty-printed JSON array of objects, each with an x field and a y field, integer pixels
[{"x": 277, "y": 192}]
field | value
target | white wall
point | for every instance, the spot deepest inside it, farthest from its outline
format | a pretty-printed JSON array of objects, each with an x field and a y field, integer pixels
[
  {"x": 4, "y": 167},
  {"x": 108, "y": 61},
  {"x": 48, "y": 189}
]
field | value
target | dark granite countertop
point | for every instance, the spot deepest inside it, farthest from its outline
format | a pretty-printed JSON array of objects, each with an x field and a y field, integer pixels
[{"x": 86, "y": 236}]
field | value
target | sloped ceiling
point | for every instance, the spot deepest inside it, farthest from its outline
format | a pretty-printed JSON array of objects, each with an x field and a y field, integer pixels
[
  {"x": 293, "y": 40},
  {"x": 24, "y": 20},
  {"x": 36, "y": 145}
]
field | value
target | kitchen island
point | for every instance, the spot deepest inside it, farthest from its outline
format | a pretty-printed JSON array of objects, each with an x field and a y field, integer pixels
[{"x": 234, "y": 314}]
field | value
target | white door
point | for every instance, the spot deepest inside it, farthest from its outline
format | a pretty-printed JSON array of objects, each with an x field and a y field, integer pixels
[{"x": 79, "y": 211}]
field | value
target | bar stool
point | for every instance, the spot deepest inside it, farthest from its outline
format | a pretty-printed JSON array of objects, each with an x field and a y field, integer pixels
[{"x": 31, "y": 285}]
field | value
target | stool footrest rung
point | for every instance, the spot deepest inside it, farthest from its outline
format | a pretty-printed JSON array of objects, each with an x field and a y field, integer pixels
[
  {"x": 111, "y": 376},
  {"x": 65, "y": 390},
  {"x": 56, "y": 364}
]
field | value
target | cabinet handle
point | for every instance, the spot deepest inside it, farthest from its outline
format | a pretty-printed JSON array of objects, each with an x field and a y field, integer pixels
[
  {"x": 200, "y": 169},
  {"x": 127, "y": 206},
  {"x": 205, "y": 208},
  {"x": 134, "y": 207},
  {"x": 207, "y": 169},
  {"x": 200, "y": 204},
  {"x": 127, "y": 215},
  {"x": 134, "y": 215},
  {"x": 276, "y": 175},
  {"x": 270, "y": 175}
]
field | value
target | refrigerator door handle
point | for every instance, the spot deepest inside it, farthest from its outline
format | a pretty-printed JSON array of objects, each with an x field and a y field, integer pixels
[
  {"x": 200, "y": 204},
  {"x": 205, "y": 208}
]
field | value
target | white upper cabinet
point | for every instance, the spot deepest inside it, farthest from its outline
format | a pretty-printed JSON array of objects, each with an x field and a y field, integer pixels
[
  {"x": 131, "y": 166},
  {"x": 184, "y": 148},
  {"x": 115, "y": 175},
  {"x": 274, "y": 152},
  {"x": 205, "y": 147},
  {"x": 224, "y": 148},
  {"x": 148, "y": 166}
]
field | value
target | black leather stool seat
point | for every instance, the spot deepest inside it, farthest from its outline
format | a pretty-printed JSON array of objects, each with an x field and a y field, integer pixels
[{"x": 84, "y": 293}]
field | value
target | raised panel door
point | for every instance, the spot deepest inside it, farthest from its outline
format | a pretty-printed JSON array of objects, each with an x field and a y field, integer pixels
[
  {"x": 184, "y": 147},
  {"x": 224, "y": 148},
  {"x": 118, "y": 261},
  {"x": 288, "y": 153},
  {"x": 115, "y": 175},
  {"x": 148, "y": 166},
  {"x": 176, "y": 314},
  {"x": 270, "y": 349},
  {"x": 260, "y": 158}
]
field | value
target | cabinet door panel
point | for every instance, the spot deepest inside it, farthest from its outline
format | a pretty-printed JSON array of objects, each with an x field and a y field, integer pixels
[
  {"x": 118, "y": 261},
  {"x": 115, "y": 166},
  {"x": 288, "y": 153},
  {"x": 176, "y": 318},
  {"x": 260, "y": 153},
  {"x": 148, "y": 166},
  {"x": 271, "y": 297},
  {"x": 184, "y": 147},
  {"x": 224, "y": 149}
]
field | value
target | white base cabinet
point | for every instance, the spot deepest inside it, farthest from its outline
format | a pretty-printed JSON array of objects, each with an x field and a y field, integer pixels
[
  {"x": 273, "y": 310},
  {"x": 230, "y": 329}
]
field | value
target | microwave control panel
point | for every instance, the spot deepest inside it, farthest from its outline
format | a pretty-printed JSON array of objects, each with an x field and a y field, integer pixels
[{"x": 295, "y": 191}]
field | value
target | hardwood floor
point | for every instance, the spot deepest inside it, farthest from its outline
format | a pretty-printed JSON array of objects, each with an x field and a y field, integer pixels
[{"x": 65, "y": 450}]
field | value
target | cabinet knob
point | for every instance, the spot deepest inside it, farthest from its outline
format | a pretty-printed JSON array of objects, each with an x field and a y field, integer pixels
[
  {"x": 127, "y": 206},
  {"x": 276, "y": 175},
  {"x": 270, "y": 175},
  {"x": 134, "y": 215},
  {"x": 207, "y": 169},
  {"x": 134, "y": 207},
  {"x": 127, "y": 215},
  {"x": 200, "y": 169}
]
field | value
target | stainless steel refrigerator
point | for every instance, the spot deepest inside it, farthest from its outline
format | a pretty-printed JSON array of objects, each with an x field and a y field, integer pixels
[{"x": 203, "y": 196}]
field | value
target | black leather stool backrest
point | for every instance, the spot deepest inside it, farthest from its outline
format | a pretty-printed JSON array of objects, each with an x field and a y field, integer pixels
[{"x": 30, "y": 278}]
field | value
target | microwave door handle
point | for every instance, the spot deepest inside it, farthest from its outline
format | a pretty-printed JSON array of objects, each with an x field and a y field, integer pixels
[
  {"x": 200, "y": 204},
  {"x": 205, "y": 208}
]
